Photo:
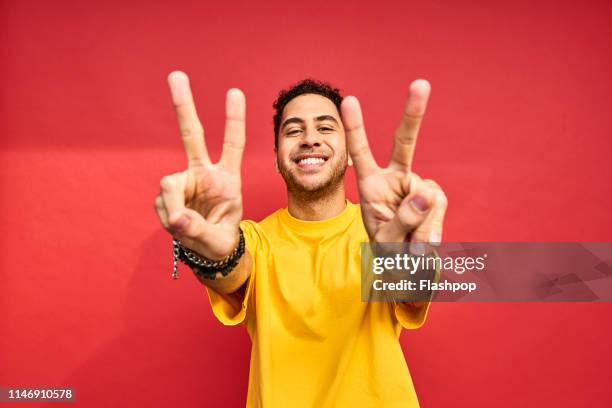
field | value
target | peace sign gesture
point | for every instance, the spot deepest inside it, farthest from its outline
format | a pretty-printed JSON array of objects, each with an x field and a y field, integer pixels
[
  {"x": 202, "y": 205},
  {"x": 396, "y": 204}
]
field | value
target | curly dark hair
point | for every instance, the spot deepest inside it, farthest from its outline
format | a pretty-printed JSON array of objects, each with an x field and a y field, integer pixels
[{"x": 305, "y": 86}]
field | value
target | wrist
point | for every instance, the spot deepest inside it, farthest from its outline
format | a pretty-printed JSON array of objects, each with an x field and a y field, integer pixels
[
  {"x": 216, "y": 249},
  {"x": 232, "y": 245},
  {"x": 207, "y": 267}
]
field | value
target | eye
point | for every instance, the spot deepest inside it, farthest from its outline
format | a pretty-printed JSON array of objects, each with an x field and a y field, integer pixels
[
  {"x": 293, "y": 132},
  {"x": 326, "y": 129}
]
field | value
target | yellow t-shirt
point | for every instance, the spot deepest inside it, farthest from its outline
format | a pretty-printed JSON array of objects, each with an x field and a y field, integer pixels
[{"x": 314, "y": 342}]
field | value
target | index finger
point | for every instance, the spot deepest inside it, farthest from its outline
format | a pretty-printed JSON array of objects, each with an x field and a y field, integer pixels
[
  {"x": 408, "y": 130},
  {"x": 356, "y": 138},
  {"x": 190, "y": 127}
]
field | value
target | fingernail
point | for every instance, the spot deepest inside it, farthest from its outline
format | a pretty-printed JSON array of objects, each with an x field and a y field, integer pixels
[
  {"x": 418, "y": 248},
  {"x": 419, "y": 203},
  {"x": 182, "y": 222},
  {"x": 435, "y": 238}
]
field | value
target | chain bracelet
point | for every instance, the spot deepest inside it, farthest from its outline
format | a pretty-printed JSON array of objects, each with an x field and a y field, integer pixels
[
  {"x": 207, "y": 263},
  {"x": 204, "y": 267},
  {"x": 175, "y": 258}
]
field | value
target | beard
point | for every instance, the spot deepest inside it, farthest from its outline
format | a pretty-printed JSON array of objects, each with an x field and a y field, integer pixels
[{"x": 325, "y": 185}]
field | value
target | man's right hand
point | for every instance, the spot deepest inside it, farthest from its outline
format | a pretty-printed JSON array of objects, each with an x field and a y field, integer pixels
[{"x": 202, "y": 205}]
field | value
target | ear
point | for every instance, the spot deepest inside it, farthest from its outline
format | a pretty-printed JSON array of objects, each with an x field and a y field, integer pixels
[{"x": 276, "y": 160}]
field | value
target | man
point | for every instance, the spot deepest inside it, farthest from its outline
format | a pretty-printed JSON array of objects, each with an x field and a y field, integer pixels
[{"x": 296, "y": 287}]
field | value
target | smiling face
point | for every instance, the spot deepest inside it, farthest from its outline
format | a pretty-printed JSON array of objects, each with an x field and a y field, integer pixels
[{"x": 311, "y": 154}]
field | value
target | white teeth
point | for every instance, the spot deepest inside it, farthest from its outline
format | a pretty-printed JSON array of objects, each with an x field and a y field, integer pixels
[{"x": 311, "y": 160}]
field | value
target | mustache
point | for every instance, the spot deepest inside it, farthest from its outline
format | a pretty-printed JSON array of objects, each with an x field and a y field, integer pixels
[{"x": 302, "y": 152}]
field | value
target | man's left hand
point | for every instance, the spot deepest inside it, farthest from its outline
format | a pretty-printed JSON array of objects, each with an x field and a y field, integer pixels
[{"x": 396, "y": 204}]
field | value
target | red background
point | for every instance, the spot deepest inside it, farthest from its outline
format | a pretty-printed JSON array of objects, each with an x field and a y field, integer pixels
[{"x": 517, "y": 132}]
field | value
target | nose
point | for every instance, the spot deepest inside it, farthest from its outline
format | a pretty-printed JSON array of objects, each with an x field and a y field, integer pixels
[{"x": 310, "y": 138}]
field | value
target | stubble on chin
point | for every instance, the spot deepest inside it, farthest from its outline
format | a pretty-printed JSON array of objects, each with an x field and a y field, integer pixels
[{"x": 317, "y": 190}]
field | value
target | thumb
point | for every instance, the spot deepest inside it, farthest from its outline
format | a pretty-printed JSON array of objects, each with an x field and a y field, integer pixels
[
  {"x": 213, "y": 241},
  {"x": 411, "y": 213},
  {"x": 187, "y": 224}
]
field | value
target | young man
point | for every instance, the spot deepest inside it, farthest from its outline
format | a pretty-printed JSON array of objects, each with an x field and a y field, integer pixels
[{"x": 296, "y": 286}]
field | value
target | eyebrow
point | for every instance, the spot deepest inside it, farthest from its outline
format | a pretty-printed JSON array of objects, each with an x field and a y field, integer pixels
[
  {"x": 326, "y": 117},
  {"x": 301, "y": 121}
]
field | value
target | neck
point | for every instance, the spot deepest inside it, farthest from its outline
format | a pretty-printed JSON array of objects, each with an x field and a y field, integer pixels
[{"x": 310, "y": 207}]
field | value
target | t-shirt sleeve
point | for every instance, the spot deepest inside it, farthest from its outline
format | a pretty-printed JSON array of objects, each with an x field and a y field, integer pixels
[
  {"x": 412, "y": 315},
  {"x": 234, "y": 308}
]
